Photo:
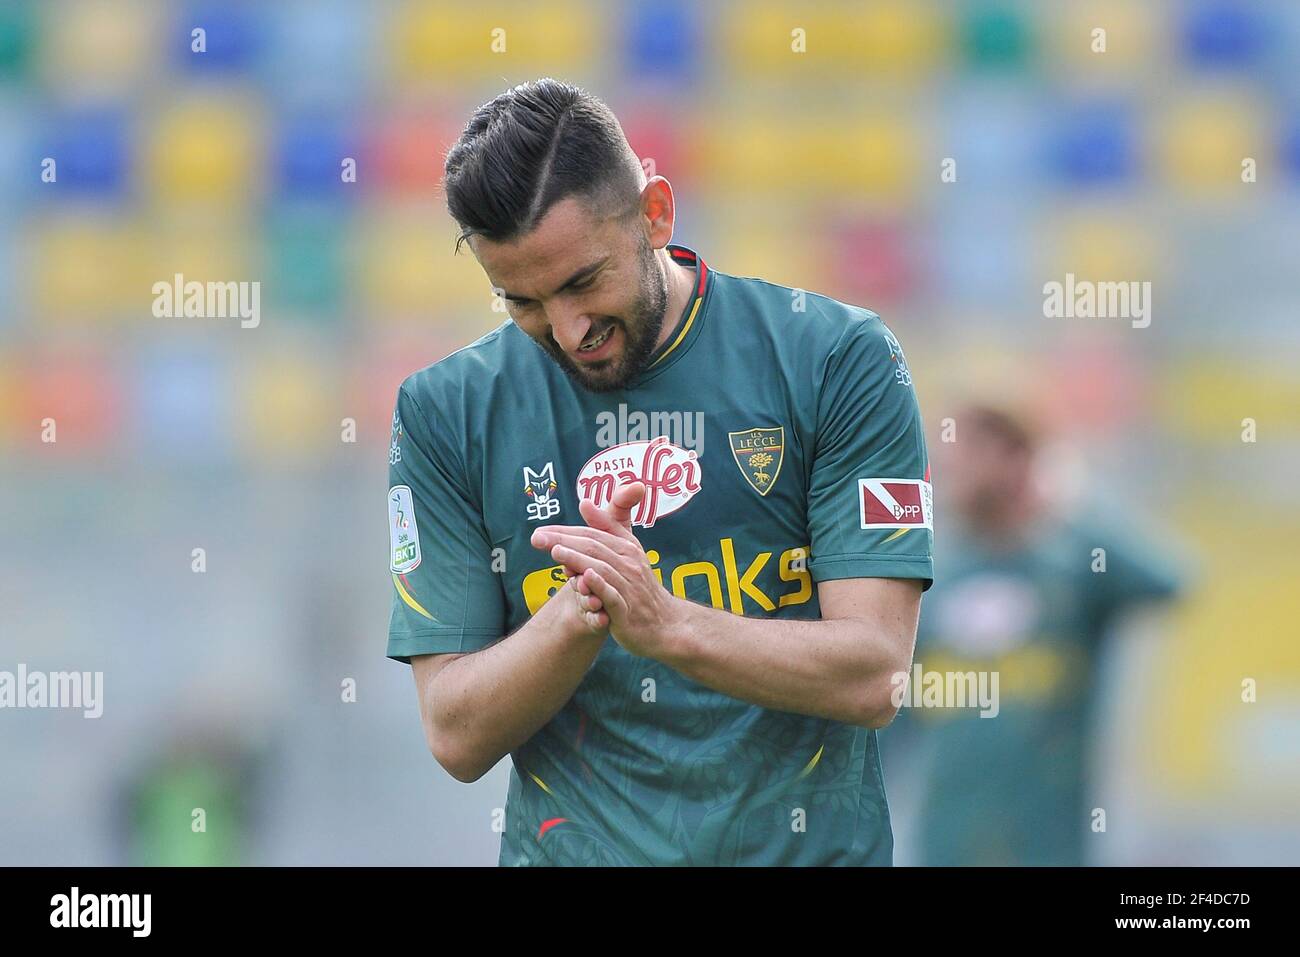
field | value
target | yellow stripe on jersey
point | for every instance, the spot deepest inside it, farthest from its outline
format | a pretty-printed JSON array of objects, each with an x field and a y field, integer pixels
[
  {"x": 813, "y": 763},
  {"x": 406, "y": 597},
  {"x": 681, "y": 335},
  {"x": 541, "y": 784}
]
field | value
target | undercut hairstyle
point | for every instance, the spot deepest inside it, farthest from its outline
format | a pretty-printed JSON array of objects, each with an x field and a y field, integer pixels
[{"x": 530, "y": 147}]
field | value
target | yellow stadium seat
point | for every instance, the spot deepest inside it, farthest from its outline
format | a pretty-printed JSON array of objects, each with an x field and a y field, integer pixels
[
  {"x": 900, "y": 39},
  {"x": 883, "y": 159},
  {"x": 1206, "y": 399},
  {"x": 289, "y": 407},
  {"x": 1099, "y": 244},
  {"x": 762, "y": 40},
  {"x": 770, "y": 247},
  {"x": 434, "y": 40},
  {"x": 1205, "y": 138},
  {"x": 554, "y": 38},
  {"x": 875, "y": 158},
  {"x": 1209, "y": 745},
  {"x": 406, "y": 270},
  {"x": 1137, "y": 39},
  {"x": 442, "y": 41},
  {"x": 207, "y": 150},
  {"x": 207, "y": 255},
  {"x": 881, "y": 38},
  {"x": 87, "y": 269}
]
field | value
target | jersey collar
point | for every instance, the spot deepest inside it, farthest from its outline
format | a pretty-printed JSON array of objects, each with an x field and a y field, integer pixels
[{"x": 690, "y": 316}]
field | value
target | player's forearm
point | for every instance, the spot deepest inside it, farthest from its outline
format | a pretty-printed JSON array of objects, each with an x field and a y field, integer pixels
[
  {"x": 484, "y": 705},
  {"x": 842, "y": 669}
]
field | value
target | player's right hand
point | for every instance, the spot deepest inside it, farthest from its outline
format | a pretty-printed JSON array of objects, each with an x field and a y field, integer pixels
[{"x": 590, "y": 606}]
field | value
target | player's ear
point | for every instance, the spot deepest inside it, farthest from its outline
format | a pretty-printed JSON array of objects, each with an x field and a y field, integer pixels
[{"x": 659, "y": 210}]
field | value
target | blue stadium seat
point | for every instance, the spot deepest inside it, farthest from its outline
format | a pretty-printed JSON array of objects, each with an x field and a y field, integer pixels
[
  {"x": 309, "y": 150},
  {"x": 661, "y": 39},
  {"x": 90, "y": 151},
  {"x": 234, "y": 37},
  {"x": 1224, "y": 33},
  {"x": 1094, "y": 144}
]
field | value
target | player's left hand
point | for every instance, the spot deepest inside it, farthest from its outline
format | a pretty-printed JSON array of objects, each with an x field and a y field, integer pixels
[{"x": 611, "y": 565}]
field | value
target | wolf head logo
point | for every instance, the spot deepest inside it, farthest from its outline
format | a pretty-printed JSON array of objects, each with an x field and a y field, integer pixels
[
  {"x": 540, "y": 488},
  {"x": 540, "y": 485}
]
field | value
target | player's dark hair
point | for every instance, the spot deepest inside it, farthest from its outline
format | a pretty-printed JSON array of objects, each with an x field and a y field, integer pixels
[
  {"x": 1013, "y": 430},
  {"x": 528, "y": 148}
]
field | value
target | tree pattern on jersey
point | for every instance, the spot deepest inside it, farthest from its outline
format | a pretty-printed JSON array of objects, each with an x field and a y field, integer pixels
[{"x": 693, "y": 776}]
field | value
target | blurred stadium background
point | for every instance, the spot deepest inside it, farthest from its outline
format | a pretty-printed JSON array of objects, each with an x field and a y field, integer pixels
[{"x": 819, "y": 170}]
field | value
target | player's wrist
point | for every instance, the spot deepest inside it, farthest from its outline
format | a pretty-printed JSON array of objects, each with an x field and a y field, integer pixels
[
  {"x": 675, "y": 635},
  {"x": 576, "y": 626}
]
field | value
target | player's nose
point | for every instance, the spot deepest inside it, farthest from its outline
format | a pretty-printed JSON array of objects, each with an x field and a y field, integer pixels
[{"x": 571, "y": 329}]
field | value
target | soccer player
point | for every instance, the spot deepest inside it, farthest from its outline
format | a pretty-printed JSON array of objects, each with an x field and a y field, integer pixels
[
  {"x": 662, "y": 536},
  {"x": 1031, "y": 589}
]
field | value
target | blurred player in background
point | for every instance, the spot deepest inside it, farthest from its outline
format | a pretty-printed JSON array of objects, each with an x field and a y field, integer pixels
[{"x": 1030, "y": 588}]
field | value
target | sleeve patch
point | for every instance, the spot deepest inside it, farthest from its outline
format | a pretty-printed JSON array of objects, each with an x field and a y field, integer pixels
[
  {"x": 895, "y": 503},
  {"x": 403, "y": 533}
]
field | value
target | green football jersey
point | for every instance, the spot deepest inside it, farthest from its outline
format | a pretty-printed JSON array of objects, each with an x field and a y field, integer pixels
[
  {"x": 1009, "y": 786},
  {"x": 779, "y": 437}
]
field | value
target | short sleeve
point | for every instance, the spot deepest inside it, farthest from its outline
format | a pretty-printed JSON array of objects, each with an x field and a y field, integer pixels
[
  {"x": 446, "y": 597},
  {"x": 1129, "y": 567},
  {"x": 870, "y": 505}
]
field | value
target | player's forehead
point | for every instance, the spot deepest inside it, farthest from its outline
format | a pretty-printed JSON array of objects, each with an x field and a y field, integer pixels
[{"x": 566, "y": 239}]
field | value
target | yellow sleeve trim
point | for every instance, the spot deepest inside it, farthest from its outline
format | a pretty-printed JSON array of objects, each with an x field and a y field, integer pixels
[{"x": 406, "y": 597}]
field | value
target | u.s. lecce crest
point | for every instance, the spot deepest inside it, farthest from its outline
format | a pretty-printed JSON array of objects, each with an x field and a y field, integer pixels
[{"x": 759, "y": 454}]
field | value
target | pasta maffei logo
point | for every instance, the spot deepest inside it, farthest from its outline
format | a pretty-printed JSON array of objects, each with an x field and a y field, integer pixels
[{"x": 671, "y": 475}]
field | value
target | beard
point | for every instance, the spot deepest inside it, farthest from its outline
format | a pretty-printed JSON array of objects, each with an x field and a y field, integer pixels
[{"x": 641, "y": 331}]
